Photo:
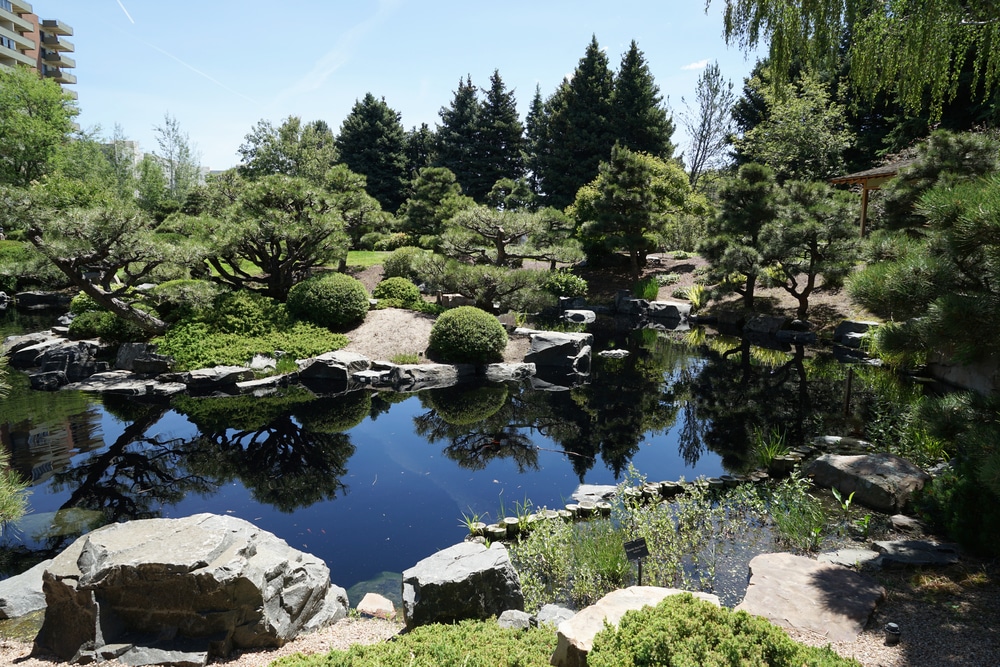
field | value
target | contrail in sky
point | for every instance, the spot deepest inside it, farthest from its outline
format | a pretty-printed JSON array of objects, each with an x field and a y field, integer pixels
[
  {"x": 199, "y": 72},
  {"x": 129, "y": 16}
]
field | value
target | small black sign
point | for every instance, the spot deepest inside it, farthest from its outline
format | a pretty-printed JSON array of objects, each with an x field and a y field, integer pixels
[{"x": 636, "y": 549}]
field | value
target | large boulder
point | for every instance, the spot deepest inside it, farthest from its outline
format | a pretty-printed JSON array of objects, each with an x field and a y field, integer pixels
[
  {"x": 882, "y": 482},
  {"x": 22, "y": 594},
  {"x": 569, "y": 351},
  {"x": 417, "y": 377},
  {"x": 217, "y": 377},
  {"x": 201, "y": 585},
  {"x": 576, "y": 636},
  {"x": 464, "y": 581},
  {"x": 799, "y": 593},
  {"x": 337, "y": 366}
]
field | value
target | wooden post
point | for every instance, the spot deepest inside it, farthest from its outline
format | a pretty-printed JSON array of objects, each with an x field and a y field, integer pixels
[{"x": 864, "y": 207}]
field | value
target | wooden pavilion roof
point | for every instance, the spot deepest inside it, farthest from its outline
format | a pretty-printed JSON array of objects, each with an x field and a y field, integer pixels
[{"x": 871, "y": 179}]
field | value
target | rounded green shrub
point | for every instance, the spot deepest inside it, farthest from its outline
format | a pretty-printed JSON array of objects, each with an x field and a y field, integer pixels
[
  {"x": 82, "y": 303},
  {"x": 397, "y": 289},
  {"x": 399, "y": 263},
  {"x": 468, "y": 335},
  {"x": 683, "y": 630},
  {"x": 564, "y": 283},
  {"x": 245, "y": 313},
  {"x": 334, "y": 300},
  {"x": 176, "y": 299},
  {"x": 392, "y": 241}
]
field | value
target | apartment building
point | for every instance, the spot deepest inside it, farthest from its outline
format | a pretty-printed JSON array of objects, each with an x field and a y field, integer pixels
[{"x": 40, "y": 44}]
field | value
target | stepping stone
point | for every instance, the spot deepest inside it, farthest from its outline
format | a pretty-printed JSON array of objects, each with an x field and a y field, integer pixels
[
  {"x": 916, "y": 553},
  {"x": 802, "y": 594},
  {"x": 862, "y": 559}
]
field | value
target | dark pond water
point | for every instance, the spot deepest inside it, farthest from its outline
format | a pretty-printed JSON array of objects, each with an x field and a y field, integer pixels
[{"x": 373, "y": 482}]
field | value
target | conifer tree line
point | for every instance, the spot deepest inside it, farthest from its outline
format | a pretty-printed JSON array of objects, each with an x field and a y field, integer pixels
[{"x": 481, "y": 139}]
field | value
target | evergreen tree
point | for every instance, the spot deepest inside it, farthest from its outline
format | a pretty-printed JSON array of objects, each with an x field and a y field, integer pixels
[
  {"x": 420, "y": 142},
  {"x": 579, "y": 130},
  {"x": 534, "y": 140},
  {"x": 501, "y": 139},
  {"x": 458, "y": 139},
  {"x": 372, "y": 143},
  {"x": 643, "y": 124},
  {"x": 436, "y": 197}
]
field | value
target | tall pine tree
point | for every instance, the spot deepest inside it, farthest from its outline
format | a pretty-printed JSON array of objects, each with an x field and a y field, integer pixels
[
  {"x": 579, "y": 131},
  {"x": 458, "y": 139},
  {"x": 642, "y": 122},
  {"x": 534, "y": 140},
  {"x": 372, "y": 143},
  {"x": 501, "y": 136}
]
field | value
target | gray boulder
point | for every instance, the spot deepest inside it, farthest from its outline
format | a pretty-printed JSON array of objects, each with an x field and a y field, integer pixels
[
  {"x": 39, "y": 300},
  {"x": 799, "y": 593},
  {"x": 417, "y": 377},
  {"x": 76, "y": 359},
  {"x": 765, "y": 324},
  {"x": 561, "y": 350},
  {"x": 850, "y": 333},
  {"x": 22, "y": 594},
  {"x": 202, "y": 586},
  {"x": 337, "y": 366},
  {"x": 669, "y": 310},
  {"x": 129, "y": 352},
  {"x": 882, "y": 482},
  {"x": 12, "y": 344},
  {"x": 579, "y": 316},
  {"x": 916, "y": 553},
  {"x": 509, "y": 372},
  {"x": 553, "y": 614},
  {"x": 576, "y": 636},
  {"x": 29, "y": 355},
  {"x": 466, "y": 580},
  {"x": 515, "y": 619},
  {"x": 210, "y": 378},
  {"x": 48, "y": 380}
]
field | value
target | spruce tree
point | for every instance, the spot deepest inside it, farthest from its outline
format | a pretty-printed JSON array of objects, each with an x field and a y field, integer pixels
[
  {"x": 642, "y": 122},
  {"x": 372, "y": 143},
  {"x": 579, "y": 131},
  {"x": 501, "y": 137},
  {"x": 534, "y": 140},
  {"x": 420, "y": 143},
  {"x": 458, "y": 139}
]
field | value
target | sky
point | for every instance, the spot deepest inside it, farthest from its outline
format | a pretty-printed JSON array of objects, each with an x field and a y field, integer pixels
[{"x": 220, "y": 66}]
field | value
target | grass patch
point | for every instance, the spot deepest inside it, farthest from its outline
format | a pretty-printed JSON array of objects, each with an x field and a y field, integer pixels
[
  {"x": 465, "y": 644},
  {"x": 406, "y": 358},
  {"x": 365, "y": 258}
]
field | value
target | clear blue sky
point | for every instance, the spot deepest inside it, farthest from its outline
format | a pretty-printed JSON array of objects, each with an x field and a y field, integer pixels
[{"x": 219, "y": 66}]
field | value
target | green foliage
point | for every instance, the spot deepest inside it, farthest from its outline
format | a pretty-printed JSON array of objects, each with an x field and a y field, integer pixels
[
  {"x": 465, "y": 644},
  {"x": 245, "y": 313},
  {"x": 399, "y": 289},
  {"x": 406, "y": 358},
  {"x": 15, "y": 258},
  {"x": 667, "y": 279},
  {"x": 647, "y": 288},
  {"x": 643, "y": 123},
  {"x": 768, "y": 446},
  {"x": 294, "y": 149},
  {"x": 468, "y": 335},
  {"x": 399, "y": 263},
  {"x": 82, "y": 303},
  {"x": 683, "y": 630},
  {"x": 505, "y": 238},
  {"x": 392, "y": 241},
  {"x": 797, "y": 515},
  {"x": 109, "y": 327},
  {"x": 335, "y": 415},
  {"x": 333, "y": 300},
  {"x": 13, "y": 499},
  {"x": 697, "y": 295},
  {"x": 176, "y": 299},
  {"x": 564, "y": 283}
]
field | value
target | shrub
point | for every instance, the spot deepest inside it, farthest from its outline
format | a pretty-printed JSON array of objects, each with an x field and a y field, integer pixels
[
  {"x": 667, "y": 279},
  {"x": 564, "y": 283},
  {"x": 368, "y": 241},
  {"x": 683, "y": 630},
  {"x": 468, "y": 335},
  {"x": 334, "y": 300},
  {"x": 14, "y": 256},
  {"x": 81, "y": 303},
  {"x": 468, "y": 643},
  {"x": 399, "y": 263},
  {"x": 393, "y": 241},
  {"x": 647, "y": 288},
  {"x": 176, "y": 299},
  {"x": 398, "y": 289},
  {"x": 107, "y": 326},
  {"x": 245, "y": 313}
]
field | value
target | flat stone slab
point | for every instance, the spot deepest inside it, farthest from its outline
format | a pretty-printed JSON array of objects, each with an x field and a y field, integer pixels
[
  {"x": 883, "y": 482},
  {"x": 576, "y": 636},
  {"x": 916, "y": 553},
  {"x": 594, "y": 492},
  {"x": 376, "y": 606},
  {"x": 823, "y": 598}
]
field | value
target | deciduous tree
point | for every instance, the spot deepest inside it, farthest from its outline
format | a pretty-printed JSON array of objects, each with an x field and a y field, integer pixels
[
  {"x": 708, "y": 122},
  {"x": 292, "y": 149}
]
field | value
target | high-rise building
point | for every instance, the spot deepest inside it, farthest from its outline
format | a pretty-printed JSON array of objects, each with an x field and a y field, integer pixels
[{"x": 41, "y": 44}]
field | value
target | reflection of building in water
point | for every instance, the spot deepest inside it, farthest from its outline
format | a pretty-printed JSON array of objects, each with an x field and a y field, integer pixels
[{"x": 38, "y": 450}]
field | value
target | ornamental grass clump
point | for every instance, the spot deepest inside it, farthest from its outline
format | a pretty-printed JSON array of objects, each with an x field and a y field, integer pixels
[
  {"x": 334, "y": 300},
  {"x": 468, "y": 335},
  {"x": 683, "y": 630}
]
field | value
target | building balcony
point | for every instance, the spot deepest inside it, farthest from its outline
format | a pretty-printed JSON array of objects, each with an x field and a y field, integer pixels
[
  {"x": 9, "y": 58},
  {"x": 22, "y": 7},
  {"x": 19, "y": 23},
  {"x": 73, "y": 95},
  {"x": 59, "y": 75},
  {"x": 58, "y": 59},
  {"x": 57, "y": 43},
  {"x": 56, "y": 27}
]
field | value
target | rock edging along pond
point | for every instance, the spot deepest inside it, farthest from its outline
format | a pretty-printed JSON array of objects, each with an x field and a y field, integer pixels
[{"x": 53, "y": 362}]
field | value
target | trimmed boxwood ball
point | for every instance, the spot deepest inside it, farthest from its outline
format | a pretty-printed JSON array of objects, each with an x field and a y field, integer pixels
[
  {"x": 333, "y": 300},
  {"x": 468, "y": 335},
  {"x": 397, "y": 289}
]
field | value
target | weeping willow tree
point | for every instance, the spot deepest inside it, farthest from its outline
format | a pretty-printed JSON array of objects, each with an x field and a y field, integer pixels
[{"x": 913, "y": 49}]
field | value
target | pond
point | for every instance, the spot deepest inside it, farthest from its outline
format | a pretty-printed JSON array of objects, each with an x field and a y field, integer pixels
[{"x": 372, "y": 482}]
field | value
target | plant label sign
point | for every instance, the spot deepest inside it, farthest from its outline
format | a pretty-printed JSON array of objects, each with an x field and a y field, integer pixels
[{"x": 636, "y": 549}]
